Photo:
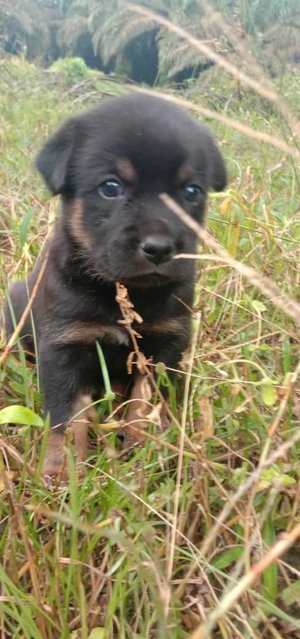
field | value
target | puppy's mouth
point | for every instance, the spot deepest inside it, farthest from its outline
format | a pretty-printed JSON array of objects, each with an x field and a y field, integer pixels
[
  {"x": 132, "y": 271},
  {"x": 146, "y": 280}
]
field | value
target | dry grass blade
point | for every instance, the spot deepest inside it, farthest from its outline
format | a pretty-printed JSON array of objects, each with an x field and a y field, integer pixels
[
  {"x": 17, "y": 513},
  {"x": 180, "y": 460},
  {"x": 129, "y": 316},
  {"x": 230, "y": 598},
  {"x": 16, "y": 456},
  {"x": 290, "y": 307},
  {"x": 283, "y": 404},
  {"x": 280, "y": 452},
  {"x": 26, "y": 311}
]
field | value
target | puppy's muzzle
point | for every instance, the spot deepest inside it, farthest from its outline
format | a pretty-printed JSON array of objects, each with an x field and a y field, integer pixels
[{"x": 157, "y": 248}]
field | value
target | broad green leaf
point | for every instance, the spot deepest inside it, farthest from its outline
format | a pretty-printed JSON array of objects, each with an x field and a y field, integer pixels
[
  {"x": 258, "y": 306},
  {"x": 97, "y": 633},
  {"x": 286, "y": 354},
  {"x": 228, "y": 557},
  {"x": 270, "y": 574},
  {"x": 268, "y": 395},
  {"x": 20, "y": 415},
  {"x": 24, "y": 226},
  {"x": 291, "y": 594},
  {"x": 270, "y": 475}
]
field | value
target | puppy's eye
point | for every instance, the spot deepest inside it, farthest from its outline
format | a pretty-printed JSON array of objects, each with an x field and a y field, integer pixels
[
  {"x": 192, "y": 193},
  {"x": 111, "y": 188}
]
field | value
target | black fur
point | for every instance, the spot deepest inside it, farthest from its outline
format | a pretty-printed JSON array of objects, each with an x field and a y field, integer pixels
[{"x": 148, "y": 146}]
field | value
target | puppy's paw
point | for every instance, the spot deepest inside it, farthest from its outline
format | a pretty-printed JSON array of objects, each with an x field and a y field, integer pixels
[
  {"x": 54, "y": 469},
  {"x": 136, "y": 426}
]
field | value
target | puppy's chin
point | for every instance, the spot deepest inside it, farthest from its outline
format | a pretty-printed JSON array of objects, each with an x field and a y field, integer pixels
[
  {"x": 147, "y": 275},
  {"x": 150, "y": 280}
]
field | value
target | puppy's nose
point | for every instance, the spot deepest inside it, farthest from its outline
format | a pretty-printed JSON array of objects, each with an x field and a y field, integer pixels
[{"x": 157, "y": 248}]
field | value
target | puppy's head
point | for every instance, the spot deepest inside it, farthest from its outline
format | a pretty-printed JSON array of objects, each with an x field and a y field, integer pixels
[{"x": 111, "y": 164}]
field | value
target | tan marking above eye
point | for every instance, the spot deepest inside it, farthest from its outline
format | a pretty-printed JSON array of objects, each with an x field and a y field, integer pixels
[
  {"x": 185, "y": 172},
  {"x": 126, "y": 170}
]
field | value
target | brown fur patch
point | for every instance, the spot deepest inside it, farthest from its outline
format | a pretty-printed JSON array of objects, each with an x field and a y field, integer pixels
[
  {"x": 126, "y": 170},
  {"x": 54, "y": 462},
  {"x": 165, "y": 327},
  {"x": 75, "y": 209},
  {"x": 77, "y": 430},
  {"x": 83, "y": 412},
  {"x": 138, "y": 410},
  {"x": 88, "y": 332},
  {"x": 184, "y": 172},
  {"x": 141, "y": 412}
]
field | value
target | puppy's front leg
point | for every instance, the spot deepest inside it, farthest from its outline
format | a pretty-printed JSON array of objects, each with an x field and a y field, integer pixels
[
  {"x": 168, "y": 351},
  {"x": 67, "y": 402},
  {"x": 139, "y": 410}
]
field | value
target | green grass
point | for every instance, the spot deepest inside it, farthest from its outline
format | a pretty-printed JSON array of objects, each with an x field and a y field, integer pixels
[{"x": 100, "y": 554}]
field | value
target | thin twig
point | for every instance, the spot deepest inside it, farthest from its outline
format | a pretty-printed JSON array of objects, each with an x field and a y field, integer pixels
[
  {"x": 174, "y": 528},
  {"x": 290, "y": 307},
  {"x": 130, "y": 316},
  {"x": 230, "y": 598},
  {"x": 17, "y": 513},
  {"x": 26, "y": 311},
  {"x": 253, "y": 478},
  {"x": 283, "y": 404}
]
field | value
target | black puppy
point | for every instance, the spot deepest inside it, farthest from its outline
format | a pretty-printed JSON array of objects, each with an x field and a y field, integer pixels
[{"x": 110, "y": 166}]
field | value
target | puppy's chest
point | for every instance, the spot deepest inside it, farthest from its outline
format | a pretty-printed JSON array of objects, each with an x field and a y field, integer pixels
[
  {"x": 89, "y": 332},
  {"x": 88, "y": 318}
]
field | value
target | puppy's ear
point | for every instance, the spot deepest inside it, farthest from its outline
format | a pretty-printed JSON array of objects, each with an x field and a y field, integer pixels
[
  {"x": 53, "y": 159},
  {"x": 218, "y": 173}
]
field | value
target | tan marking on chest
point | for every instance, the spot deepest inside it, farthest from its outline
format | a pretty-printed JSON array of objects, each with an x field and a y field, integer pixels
[
  {"x": 88, "y": 332},
  {"x": 165, "y": 327}
]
